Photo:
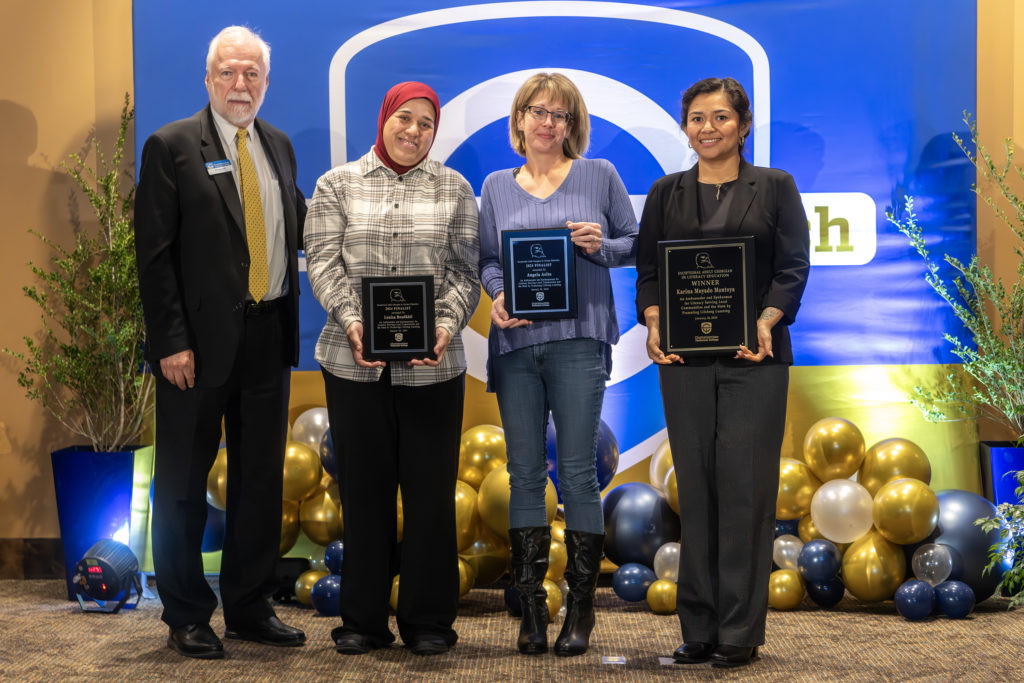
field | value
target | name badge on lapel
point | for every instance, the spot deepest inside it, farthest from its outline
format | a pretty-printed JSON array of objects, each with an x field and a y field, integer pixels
[{"x": 215, "y": 167}]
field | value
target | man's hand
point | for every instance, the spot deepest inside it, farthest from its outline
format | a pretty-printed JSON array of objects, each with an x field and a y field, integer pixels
[{"x": 180, "y": 369}]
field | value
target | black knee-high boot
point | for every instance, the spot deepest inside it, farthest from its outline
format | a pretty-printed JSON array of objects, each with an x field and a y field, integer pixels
[
  {"x": 530, "y": 548},
  {"x": 585, "y": 551}
]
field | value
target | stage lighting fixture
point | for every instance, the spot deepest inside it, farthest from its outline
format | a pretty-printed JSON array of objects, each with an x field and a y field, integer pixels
[{"x": 109, "y": 569}]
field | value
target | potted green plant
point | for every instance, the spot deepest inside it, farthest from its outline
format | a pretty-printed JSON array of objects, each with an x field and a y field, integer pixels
[
  {"x": 990, "y": 382},
  {"x": 86, "y": 368}
]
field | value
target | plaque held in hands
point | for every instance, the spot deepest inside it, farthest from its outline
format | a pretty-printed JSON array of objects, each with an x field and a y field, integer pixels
[
  {"x": 540, "y": 273},
  {"x": 398, "y": 318},
  {"x": 707, "y": 296}
]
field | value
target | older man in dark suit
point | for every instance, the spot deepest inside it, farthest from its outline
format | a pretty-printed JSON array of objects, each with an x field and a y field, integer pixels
[{"x": 218, "y": 220}]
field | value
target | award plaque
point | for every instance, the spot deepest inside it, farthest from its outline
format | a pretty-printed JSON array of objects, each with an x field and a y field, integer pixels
[
  {"x": 540, "y": 273},
  {"x": 398, "y": 318},
  {"x": 707, "y": 296}
]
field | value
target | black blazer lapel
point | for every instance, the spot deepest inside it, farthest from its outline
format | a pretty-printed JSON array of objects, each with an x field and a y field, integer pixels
[
  {"x": 689, "y": 219},
  {"x": 212, "y": 150},
  {"x": 744, "y": 192}
]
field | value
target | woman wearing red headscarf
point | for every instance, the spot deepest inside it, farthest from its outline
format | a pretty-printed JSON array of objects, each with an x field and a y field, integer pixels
[{"x": 395, "y": 213}]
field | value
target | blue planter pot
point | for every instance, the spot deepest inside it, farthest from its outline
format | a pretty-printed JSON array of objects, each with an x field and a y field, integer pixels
[
  {"x": 998, "y": 458},
  {"x": 95, "y": 499}
]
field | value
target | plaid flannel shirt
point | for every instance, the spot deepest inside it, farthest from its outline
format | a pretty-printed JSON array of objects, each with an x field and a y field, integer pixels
[{"x": 364, "y": 220}]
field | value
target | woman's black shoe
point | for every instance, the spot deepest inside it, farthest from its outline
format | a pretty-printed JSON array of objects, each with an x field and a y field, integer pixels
[
  {"x": 732, "y": 655},
  {"x": 585, "y": 551},
  {"x": 351, "y": 643},
  {"x": 530, "y": 548},
  {"x": 693, "y": 653}
]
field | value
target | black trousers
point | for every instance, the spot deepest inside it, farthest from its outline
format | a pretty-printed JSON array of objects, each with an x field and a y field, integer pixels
[
  {"x": 254, "y": 405},
  {"x": 386, "y": 436},
  {"x": 725, "y": 428}
]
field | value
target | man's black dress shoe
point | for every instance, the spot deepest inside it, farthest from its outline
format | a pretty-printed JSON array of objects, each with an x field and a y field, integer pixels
[
  {"x": 732, "y": 655},
  {"x": 428, "y": 645},
  {"x": 196, "y": 640},
  {"x": 693, "y": 653},
  {"x": 351, "y": 643},
  {"x": 269, "y": 631}
]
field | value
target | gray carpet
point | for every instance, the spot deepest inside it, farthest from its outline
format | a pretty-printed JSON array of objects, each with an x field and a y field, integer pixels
[{"x": 43, "y": 637}]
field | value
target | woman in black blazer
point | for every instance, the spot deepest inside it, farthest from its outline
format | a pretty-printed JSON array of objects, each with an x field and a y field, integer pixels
[{"x": 726, "y": 416}]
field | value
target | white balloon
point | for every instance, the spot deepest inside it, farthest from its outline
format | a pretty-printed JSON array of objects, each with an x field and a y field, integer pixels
[
  {"x": 933, "y": 563},
  {"x": 786, "y": 550},
  {"x": 841, "y": 510},
  {"x": 309, "y": 428},
  {"x": 666, "y": 562}
]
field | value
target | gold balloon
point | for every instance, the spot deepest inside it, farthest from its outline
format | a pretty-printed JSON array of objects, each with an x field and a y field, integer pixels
[
  {"x": 302, "y": 471},
  {"x": 289, "y": 525},
  {"x": 833, "y": 448},
  {"x": 661, "y": 596},
  {"x": 558, "y": 559},
  {"x": 481, "y": 450},
  {"x": 554, "y": 599},
  {"x": 797, "y": 485},
  {"x": 467, "y": 577},
  {"x": 873, "y": 568},
  {"x": 400, "y": 516},
  {"x": 905, "y": 511},
  {"x": 393, "y": 599},
  {"x": 672, "y": 490},
  {"x": 467, "y": 518},
  {"x": 304, "y": 586},
  {"x": 217, "y": 481},
  {"x": 320, "y": 517},
  {"x": 893, "y": 459},
  {"x": 492, "y": 501},
  {"x": 488, "y": 555},
  {"x": 661, "y": 463},
  {"x": 558, "y": 531},
  {"x": 785, "y": 589}
]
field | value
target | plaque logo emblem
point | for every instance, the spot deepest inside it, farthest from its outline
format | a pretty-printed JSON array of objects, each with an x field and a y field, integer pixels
[
  {"x": 705, "y": 328},
  {"x": 540, "y": 296},
  {"x": 704, "y": 260},
  {"x": 537, "y": 251},
  {"x": 399, "y": 336},
  {"x": 396, "y": 296}
]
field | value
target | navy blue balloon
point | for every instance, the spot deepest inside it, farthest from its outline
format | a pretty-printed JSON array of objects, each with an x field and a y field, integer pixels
[
  {"x": 915, "y": 599},
  {"x": 333, "y": 556},
  {"x": 827, "y": 594},
  {"x": 955, "y": 599},
  {"x": 819, "y": 561},
  {"x": 956, "y": 529},
  {"x": 326, "y": 595},
  {"x": 631, "y": 581},
  {"x": 787, "y": 527},
  {"x": 637, "y": 522},
  {"x": 607, "y": 456},
  {"x": 327, "y": 455},
  {"x": 515, "y": 607},
  {"x": 213, "y": 533}
]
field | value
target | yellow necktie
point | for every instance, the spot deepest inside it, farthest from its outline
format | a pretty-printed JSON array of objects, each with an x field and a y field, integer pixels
[{"x": 255, "y": 230}]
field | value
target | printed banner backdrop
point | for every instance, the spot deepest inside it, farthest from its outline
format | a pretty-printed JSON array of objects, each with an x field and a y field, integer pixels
[{"x": 859, "y": 110}]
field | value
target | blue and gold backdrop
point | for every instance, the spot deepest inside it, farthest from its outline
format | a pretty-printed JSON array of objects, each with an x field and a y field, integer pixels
[{"x": 856, "y": 98}]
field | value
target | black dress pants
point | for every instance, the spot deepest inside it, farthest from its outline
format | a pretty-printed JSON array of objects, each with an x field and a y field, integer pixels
[
  {"x": 386, "y": 436},
  {"x": 254, "y": 405},
  {"x": 725, "y": 428}
]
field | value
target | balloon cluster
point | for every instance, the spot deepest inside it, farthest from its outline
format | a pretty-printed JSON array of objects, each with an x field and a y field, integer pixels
[
  {"x": 862, "y": 515},
  {"x": 642, "y": 535}
]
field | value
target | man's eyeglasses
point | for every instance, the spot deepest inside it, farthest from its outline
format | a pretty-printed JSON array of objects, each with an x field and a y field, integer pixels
[{"x": 541, "y": 114}]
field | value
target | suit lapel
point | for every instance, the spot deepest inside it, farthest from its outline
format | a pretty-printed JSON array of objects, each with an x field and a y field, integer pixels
[
  {"x": 690, "y": 218},
  {"x": 743, "y": 196},
  {"x": 212, "y": 150},
  {"x": 284, "y": 177}
]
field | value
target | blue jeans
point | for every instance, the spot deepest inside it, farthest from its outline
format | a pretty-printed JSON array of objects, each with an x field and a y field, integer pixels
[{"x": 566, "y": 377}]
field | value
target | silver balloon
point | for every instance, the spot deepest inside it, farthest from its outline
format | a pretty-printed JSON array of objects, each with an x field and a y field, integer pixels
[
  {"x": 309, "y": 427},
  {"x": 666, "y": 561},
  {"x": 933, "y": 563},
  {"x": 786, "y": 551},
  {"x": 841, "y": 509}
]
